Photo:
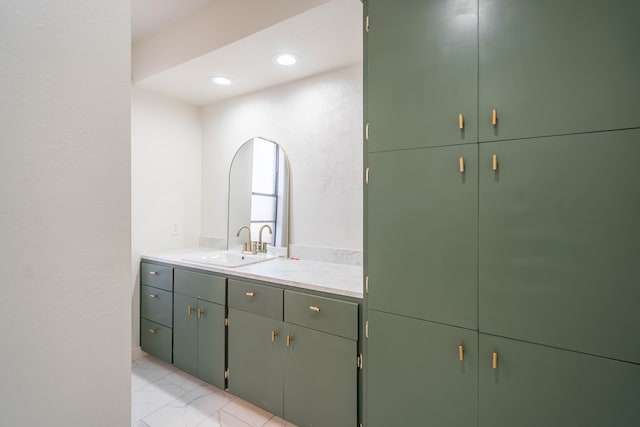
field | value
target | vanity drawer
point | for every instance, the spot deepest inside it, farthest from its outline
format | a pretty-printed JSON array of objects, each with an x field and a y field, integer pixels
[
  {"x": 157, "y": 276},
  {"x": 257, "y": 299},
  {"x": 323, "y": 314},
  {"x": 156, "y": 339},
  {"x": 199, "y": 285},
  {"x": 156, "y": 305}
]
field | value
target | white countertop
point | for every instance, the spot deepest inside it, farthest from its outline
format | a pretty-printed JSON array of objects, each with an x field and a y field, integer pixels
[{"x": 339, "y": 279}]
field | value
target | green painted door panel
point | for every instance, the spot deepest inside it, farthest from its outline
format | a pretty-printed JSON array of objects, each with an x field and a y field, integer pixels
[
  {"x": 155, "y": 339},
  {"x": 255, "y": 362},
  {"x": 185, "y": 333},
  {"x": 157, "y": 276},
  {"x": 156, "y": 305},
  {"x": 535, "y": 386},
  {"x": 323, "y": 314},
  {"x": 257, "y": 299},
  {"x": 415, "y": 376},
  {"x": 320, "y": 380},
  {"x": 555, "y": 67},
  {"x": 200, "y": 285},
  {"x": 422, "y": 234},
  {"x": 559, "y": 231},
  {"x": 421, "y": 73},
  {"x": 211, "y": 343}
]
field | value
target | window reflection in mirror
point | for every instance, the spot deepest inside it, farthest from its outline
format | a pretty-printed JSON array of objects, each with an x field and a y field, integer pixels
[{"x": 259, "y": 193}]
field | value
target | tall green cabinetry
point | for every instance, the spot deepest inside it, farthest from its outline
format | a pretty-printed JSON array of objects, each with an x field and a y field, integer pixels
[{"x": 502, "y": 144}]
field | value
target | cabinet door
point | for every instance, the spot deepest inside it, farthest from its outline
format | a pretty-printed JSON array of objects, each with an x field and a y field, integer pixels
[
  {"x": 556, "y": 67},
  {"x": 421, "y": 73},
  {"x": 415, "y": 376},
  {"x": 422, "y": 234},
  {"x": 255, "y": 360},
  {"x": 320, "y": 381},
  {"x": 559, "y": 236},
  {"x": 535, "y": 386},
  {"x": 211, "y": 342},
  {"x": 185, "y": 333}
]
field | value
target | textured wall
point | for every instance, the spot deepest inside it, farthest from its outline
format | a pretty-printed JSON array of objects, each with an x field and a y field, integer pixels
[
  {"x": 65, "y": 213},
  {"x": 318, "y": 122}
]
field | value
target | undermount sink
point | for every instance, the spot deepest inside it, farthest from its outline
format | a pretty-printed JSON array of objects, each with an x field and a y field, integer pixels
[{"x": 229, "y": 259}]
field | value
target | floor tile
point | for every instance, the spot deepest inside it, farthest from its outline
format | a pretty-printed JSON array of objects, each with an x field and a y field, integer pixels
[
  {"x": 223, "y": 419},
  {"x": 247, "y": 412},
  {"x": 278, "y": 422},
  {"x": 183, "y": 380},
  {"x": 153, "y": 397}
]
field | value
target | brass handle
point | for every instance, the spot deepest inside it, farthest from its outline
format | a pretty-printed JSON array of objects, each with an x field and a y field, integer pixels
[
  {"x": 289, "y": 339},
  {"x": 495, "y": 360},
  {"x": 461, "y": 160},
  {"x": 189, "y": 310},
  {"x": 494, "y": 162},
  {"x": 494, "y": 117},
  {"x": 274, "y": 334},
  {"x": 314, "y": 308},
  {"x": 153, "y": 331},
  {"x": 460, "y": 121},
  {"x": 461, "y": 352},
  {"x": 249, "y": 294},
  {"x": 153, "y": 273},
  {"x": 200, "y": 313},
  {"x": 153, "y": 296}
]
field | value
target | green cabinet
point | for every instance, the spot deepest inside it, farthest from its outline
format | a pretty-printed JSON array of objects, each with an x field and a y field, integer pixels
[
  {"x": 420, "y": 373},
  {"x": 557, "y": 67},
  {"x": 421, "y": 73},
  {"x": 533, "y": 385},
  {"x": 156, "y": 310},
  {"x": 199, "y": 325},
  {"x": 559, "y": 242},
  {"x": 422, "y": 239}
]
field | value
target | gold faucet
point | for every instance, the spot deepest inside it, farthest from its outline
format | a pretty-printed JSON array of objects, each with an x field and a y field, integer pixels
[
  {"x": 247, "y": 247},
  {"x": 262, "y": 246}
]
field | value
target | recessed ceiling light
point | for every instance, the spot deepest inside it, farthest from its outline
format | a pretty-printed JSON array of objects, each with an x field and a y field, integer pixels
[
  {"x": 286, "y": 59},
  {"x": 221, "y": 80}
]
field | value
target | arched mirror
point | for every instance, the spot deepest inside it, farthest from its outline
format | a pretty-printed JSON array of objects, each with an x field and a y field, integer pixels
[{"x": 259, "y": 196}]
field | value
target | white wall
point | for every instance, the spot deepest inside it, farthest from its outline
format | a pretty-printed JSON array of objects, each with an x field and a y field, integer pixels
[
  {"x": 318, "y": 122},
  {"x": 65, "y": 213},
  {"x": 166, "y": 147}
]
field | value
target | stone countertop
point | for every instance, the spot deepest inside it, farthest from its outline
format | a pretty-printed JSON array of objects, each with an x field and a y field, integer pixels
[{"x": 339, "y": 279}]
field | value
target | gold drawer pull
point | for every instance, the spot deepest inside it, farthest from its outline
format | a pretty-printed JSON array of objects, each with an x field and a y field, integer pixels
[
  {"x": 153, "y": 331},
  {"x": 153, "y": 296},
  {"x": 460, "y": 121},
  {"x": 461, "y": 161},
  {"x": 314, "y": 308},
  {"x": 200, "y": 313},
  {"x": 494, "y": 162},
  {"x": 461, "y": 352},
  {"x": 189, "y": 310},
  {"x": 289, "y": 339},
  {"x": 274, "y": 334},
  {"x": 495, "y": 360},
  {"x": 494, "y": 117},
  {"x": 153, "y": 273},
  {"x": 249, "y": 294}
]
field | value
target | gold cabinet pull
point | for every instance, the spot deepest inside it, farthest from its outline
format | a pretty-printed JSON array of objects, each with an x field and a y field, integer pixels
[
  {"x": 189, "y": 310},
  {"x": 461, "y": 161},
  {"x": 495, "y": 360},
  {"x": 494, "y": 117},
  {"x": 461, "y": 352},
  {"x": 460, "y": 121},
  {"x": 200, "y": 312},
  {"x": 153, "y": 331},
  {"x": 314, "y": 308},
  {"x": 274, "y": 334},
  {"x": 249, "y": 294},
  {"x": 289, "y": 339},
  {"x": 494, "y": 162},
  {"x": 153, "y": 296},
  {"x": 153, "y": 273}
]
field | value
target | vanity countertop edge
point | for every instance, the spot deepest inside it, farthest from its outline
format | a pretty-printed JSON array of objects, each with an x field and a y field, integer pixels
[{"x": 337, "y": 279}]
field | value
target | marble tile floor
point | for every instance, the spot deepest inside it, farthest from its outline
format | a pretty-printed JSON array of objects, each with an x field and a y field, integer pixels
[{"x": 164, "y": 396}]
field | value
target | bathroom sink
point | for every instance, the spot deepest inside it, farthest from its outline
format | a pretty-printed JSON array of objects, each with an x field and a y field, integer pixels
[{"x": 229, "y": 259}]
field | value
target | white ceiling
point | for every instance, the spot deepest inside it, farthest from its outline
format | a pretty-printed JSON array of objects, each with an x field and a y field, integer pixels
[
  {"x": 150, "y": 16},
  {"x": 324, "y": 38}
]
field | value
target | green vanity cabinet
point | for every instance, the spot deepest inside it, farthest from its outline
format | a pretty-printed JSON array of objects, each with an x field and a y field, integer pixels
[
  {"x": 533, "y": 385},
  {"x": 422, "y": 233},
  {"x": 156, "y": 310},
  {"x": 557, "y": 67},
  {"x": 199, "y": 325},
  {"x": 421, "y": 73},
  {"x": 420, "y": 373},
  {"x": 559, "y": 250}
]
